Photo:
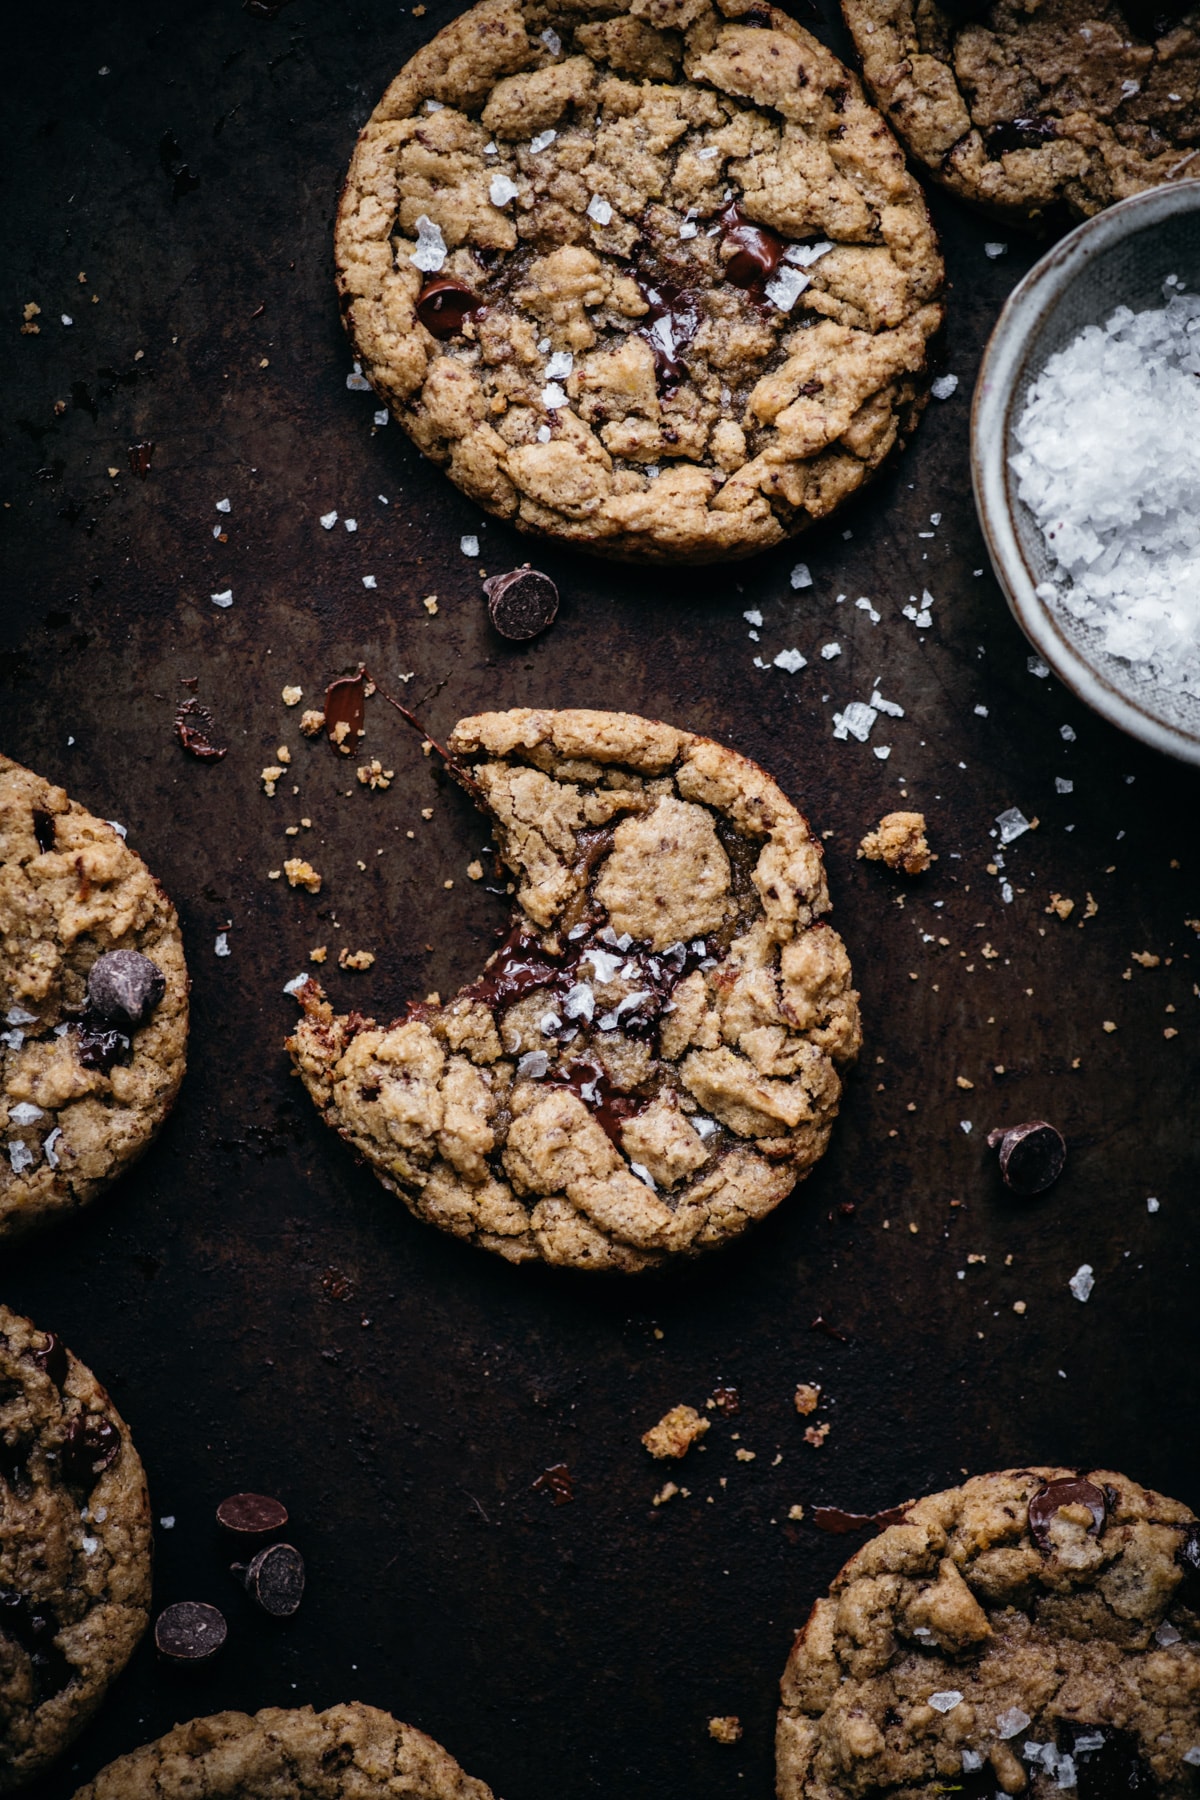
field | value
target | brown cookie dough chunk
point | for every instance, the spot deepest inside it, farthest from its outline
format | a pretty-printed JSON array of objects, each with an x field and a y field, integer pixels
[
  {"x": 1038, "y": 107},
  {"x": 1032, "y": 1632},
  {"x": 899, "y": 841},
  {"x": 651, "y": 1060},
  {"x": 350, "y": 1750},
  {"x": 93, "y": 1003},
  {"x": 652, "y": 279},
  {"x": 74, "y": 1548}
]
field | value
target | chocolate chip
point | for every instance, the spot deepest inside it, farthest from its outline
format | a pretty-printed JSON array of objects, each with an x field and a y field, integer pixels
[
  {"x": 43, "y": 828},
  {"x": 1072, "y": 1490},
  {"x": 35, "y": 1629},
  {"x": 274, "y": 1579},
  {"x": 139, "y": 457},
  {"x": 124, "y": 987},
  {"x": 558, "y": 1482},
  {"x": 190, "y": 1632},
  {"x": 52, "y": 1357},
  {"x": 1020, "y": 134},
  {"x": 521, "y": 603},
  {"x": 1031, "y": 1155},
  {"x": 99, "y": 1048},
  {"x": 92, "y": 1444},
  {"x": 444, "y": 305},
  {"x": 251, "y": 1515}
]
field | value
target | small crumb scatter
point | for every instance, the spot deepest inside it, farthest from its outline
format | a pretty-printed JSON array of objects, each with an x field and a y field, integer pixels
[
  {"x": 318, "y": 954},
  {"x": 1061, "y": 905},
  {"x": 899, "y": 841},
  {"x": 270, "y": 775},
  {"x": 373, "y": 774},
  {"x": 355, "y": 959},
  {"x": 302, "y": 874},
  {"x": 666, "y": 1492},
  {"x": 292, "y": 696},
  {"x": 675, "y": 1432},
  {"x": 726, "y": 1729},
  {"x": 475, "y": 871},
  {"x": 816, "y": 1434},
  {"x": 807, "y": 1397}
]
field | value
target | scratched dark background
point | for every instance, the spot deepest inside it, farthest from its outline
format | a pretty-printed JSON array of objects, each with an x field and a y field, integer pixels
[{"x": 187, "y": 160}]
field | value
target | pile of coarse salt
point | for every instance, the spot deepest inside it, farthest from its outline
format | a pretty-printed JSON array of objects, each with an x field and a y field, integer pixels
[{"x": 1109, "y": 465}]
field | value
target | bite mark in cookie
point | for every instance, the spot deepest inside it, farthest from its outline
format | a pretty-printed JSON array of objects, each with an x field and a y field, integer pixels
[
  {"x": 93, "y": 1003},
  {"x": 1030, "y": 1632},
  {"x": 651, "y": 1059},
  {"x": 74, "y": 1548},
  {"x": 657, "y": 282}
]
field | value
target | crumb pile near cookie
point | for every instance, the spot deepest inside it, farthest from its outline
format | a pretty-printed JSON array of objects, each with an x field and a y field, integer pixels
[
  {"x": 1067, "y": 104},
  {"x": 651, "y": 1059},
  {"x": 93, "y": 1002},
  {"x": 1030, "y": 1632},
  {"x": 74, "y": 1548},
  {"x": 654, "y": 280}
]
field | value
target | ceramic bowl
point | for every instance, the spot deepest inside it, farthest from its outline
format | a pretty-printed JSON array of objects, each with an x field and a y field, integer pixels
[{"x": 1121, "y": 257}]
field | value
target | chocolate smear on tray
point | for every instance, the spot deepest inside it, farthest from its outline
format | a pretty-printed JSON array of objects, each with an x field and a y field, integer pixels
[{"x": 841, "y": 1523}]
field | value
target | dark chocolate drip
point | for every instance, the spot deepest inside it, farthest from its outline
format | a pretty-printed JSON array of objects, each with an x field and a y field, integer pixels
[
  {"x": 519, "y": 967},
  {"x": 34, "y": 1629},
  {"x": 1073, "y": 1490},
  {"x": 591, "y": 1083},
  {"x": 841, "y": 1523},
  {"x": 345, "y": 704},
  {"x": 43, "y": 828}
]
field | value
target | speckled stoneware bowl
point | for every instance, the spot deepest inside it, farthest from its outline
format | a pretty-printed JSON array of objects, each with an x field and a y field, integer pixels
[{"x": 1122, "y": 256}]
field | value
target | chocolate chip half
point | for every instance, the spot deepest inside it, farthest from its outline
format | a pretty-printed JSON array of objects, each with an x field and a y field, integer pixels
[
  {"x": 1072, "y": 1490},
  {"x": 190, "y": 1633},
  {"x": 274, "y": 1579},
  {"x": 1031, "y": 1155},
  {"x": 444, "y": 305},
  {"x": 124, "y": 987},
  {"x": 52, "y": 1358},
  {"x": 92, "y": 1444},
  {"x": 252, "y": 1515},
  {"x": 521, "y": 603}
]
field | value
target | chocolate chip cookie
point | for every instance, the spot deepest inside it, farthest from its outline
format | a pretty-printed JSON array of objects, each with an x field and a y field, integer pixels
[
  {"x": 93, "y": 1003},
  {"x": 1032, "y": 1632},
  {"x": 651, "y": 1059},
  {"x": 350, "y": 1750},
  {"x": 1035, "y": 107},
  {"x": 650, "y": 277},
  {"x": 74, "y": 1548}
]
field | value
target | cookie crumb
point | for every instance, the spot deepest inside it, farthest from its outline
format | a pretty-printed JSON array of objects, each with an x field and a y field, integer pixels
[
  {"x": 373, "y": 775},
  {"x": 666, "y": 1492},
  {"x": 899, "y": 841},
  {"x": 726, "y": 1729},
  {"x": 675, "y": 1432},
  {"x": 430, "y": 603},
  {"x": 745, "y": 1455},
  {"x": 269, "y": 777},
  {"x": 311, "y": 721},
  {"x": 355, "y": 959},
  {"x": 292, "y": 696},
  {"x": 807, "y": 1397},
  {"x": 475, "y": 870},
  {"x": 816, "y": 1434},
  {"x": 1146, "y": 958},
  {"x": 302, "y": 874},
  {"x": 1061, "y": 905},
  {"x": 319, "y": 954},
  {"x": 1110, "y": 1025},
  {"x": 796, "y": 1512}
]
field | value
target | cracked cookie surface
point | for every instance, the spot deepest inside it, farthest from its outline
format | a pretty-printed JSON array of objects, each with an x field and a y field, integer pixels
[
  {"x": 74, "y": 1548},
  {"x": 1030, "y": 1632},
  {"x": 81, "y": 1094},
  {"x": 652, "y": 278},
  {"x": 1036, "y": 107},
  {"x": 651, "y": 1059},
  {"x": 298, "y": 1754}
]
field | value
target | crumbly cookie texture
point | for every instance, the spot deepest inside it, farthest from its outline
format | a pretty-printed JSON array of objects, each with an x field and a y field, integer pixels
[
  {"x": 1036, "y": 107},
  {"x": 650, "y": 277},
  {"x": 899, "y": 841},
  {"x": 650, "y": 1061},
  {"x": 1030, "y": 1632},
  {"x": 74, "y": 1548},
  {"x": 80, "y": 1095},
  {"x": 349, "y": 1750}
]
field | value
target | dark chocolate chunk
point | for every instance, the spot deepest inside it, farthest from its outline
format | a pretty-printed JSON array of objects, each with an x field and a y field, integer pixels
[
  {"x": 251, "y": 1515},
  {"x": 517, "y": 968},
  {"x": 752, "y": 251},
  {"x": 52, "y": 1357},
  {"x": 444, "y": 305},
  {"x": 189, "y": 1633},
  {"x": 1020, "y": 134},
  {"x": 14, "y": 1466},
  {"x": 558, "y": 1482},
  {"x": 521, "y": 603},
  {"x": 43, "y": 828},
  {"x": 99, "y": 1048},
  {"x": 669, "y": 324},
  {"x": 274, "y": 1579},
  {"x": 726, "y": 1399},
  {"x": 139, "y": 458},
  {"x": 345, "y": 712},
  {"x": 124, "y": 987},
  {"x": 1031, "y": 1155},
  {"x": 1072, "y": 1490},
  {"x": 193, "y": 728},
  {"x": 35, "y": 1629},
  {"x": 92, "y": 1444}
]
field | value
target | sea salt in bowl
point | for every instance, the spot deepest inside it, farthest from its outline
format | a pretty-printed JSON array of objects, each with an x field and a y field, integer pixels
[{"x": 1121, "y": 258}]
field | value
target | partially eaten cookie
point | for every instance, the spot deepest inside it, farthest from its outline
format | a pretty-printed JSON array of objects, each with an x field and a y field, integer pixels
[{"x": 652, "y": 1058}]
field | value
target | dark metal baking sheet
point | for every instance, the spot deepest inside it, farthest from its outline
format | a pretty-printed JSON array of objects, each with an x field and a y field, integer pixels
[{"x": 187, "y": 160}]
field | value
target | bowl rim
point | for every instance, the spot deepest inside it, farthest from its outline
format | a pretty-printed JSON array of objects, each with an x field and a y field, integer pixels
[{"x": 996, "y": 388}]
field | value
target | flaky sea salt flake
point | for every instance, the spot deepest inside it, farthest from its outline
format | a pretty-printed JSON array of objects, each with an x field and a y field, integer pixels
[
  {"x": 430, "y": 252},
  {"x": 1081, "y": 1283}
]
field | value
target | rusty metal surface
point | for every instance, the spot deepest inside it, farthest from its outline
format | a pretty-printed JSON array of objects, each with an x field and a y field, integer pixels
[{"x": 264, "y": 1314}]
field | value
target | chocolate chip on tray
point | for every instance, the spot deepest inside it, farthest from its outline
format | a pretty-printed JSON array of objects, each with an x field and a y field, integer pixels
[
  {"x": 190, "y": 1633},
  {"x": 1073, "y": 1490},
  {"x": 252, "y": 1515},
  {"x": 124, "y": 987},
  {"x": 521, "y": 603},
  {"x": 274, "y": 1579},
  {"x": 1031, "y": 1155}
]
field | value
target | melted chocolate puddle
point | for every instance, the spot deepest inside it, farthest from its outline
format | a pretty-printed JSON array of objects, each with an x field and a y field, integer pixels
[{"x": 668, "y": 327}]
